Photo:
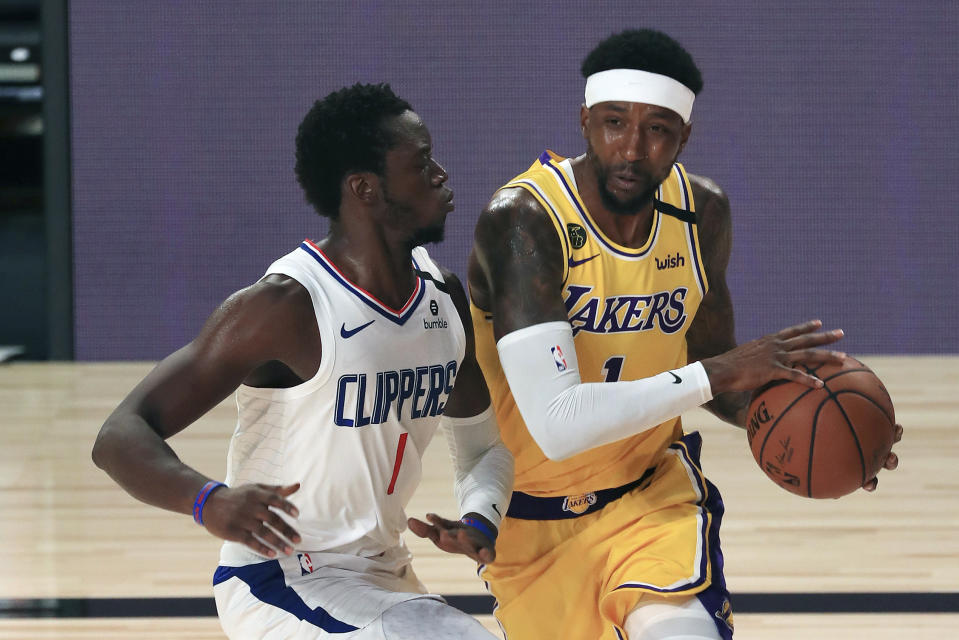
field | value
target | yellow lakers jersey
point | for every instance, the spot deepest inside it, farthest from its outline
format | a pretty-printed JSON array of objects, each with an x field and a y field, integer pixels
[{"x": 629, "y": 310}]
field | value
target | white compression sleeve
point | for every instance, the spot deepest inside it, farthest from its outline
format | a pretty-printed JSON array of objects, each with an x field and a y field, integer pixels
[
  {"x": 482, "y": 464},
  {"x": 567, "y": 416}
]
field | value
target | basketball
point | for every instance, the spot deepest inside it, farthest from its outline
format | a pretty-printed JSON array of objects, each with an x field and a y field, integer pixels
[{"x": 822, "y": 443}]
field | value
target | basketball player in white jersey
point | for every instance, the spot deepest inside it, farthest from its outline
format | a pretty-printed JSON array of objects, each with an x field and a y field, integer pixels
[{"x": 343, "y": 358}]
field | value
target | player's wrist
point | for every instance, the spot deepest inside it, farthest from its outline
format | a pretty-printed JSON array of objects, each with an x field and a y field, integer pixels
[
  {"x": 202, "y": 498},
  {"x": 481, "y": 524},
  {"x": 719, "y": 374}
]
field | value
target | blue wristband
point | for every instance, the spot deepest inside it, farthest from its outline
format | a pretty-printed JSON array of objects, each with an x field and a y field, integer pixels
[
  {"x": 201, "y": 497},
  {"x": 479, "y": 526}
]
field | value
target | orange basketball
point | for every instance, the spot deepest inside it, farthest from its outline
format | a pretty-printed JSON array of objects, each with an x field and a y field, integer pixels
[{"x": 823, "y": 443}]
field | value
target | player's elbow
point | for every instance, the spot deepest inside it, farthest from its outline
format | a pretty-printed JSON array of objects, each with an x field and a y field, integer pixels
[
  {"x": 104, "y": 446},
  {"x": 97, "y": 452},
  {"x": 553, "y": 446}
]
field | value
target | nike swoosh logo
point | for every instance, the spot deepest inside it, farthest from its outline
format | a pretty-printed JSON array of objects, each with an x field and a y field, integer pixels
[
  {"x": 497, "y": 510},
  {"x": 349, "y": 333},
  {"x": 677, "y": 378},
  {"x": 576, "y": 263}
]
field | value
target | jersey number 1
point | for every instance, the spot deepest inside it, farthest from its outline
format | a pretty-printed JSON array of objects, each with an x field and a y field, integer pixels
[
  {"x": 400, "y": 448},
  {"x": 613, "y": 368}
]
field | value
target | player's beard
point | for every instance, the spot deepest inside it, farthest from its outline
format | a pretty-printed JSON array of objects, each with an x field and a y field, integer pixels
[
  {"x": 615, "y": 204},
  {"x": 426, "y": 235},
  {"x": 430, "y": 234}
]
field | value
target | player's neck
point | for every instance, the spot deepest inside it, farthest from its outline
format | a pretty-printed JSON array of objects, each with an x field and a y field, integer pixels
[
  {"x": 626, "y": 229},
  {"x": 372, "y": 262}
]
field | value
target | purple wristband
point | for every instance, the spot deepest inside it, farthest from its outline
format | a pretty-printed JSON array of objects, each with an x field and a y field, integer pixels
[
  {"x": 201, "y": 499},
  {"x": 479, "y": 526}
]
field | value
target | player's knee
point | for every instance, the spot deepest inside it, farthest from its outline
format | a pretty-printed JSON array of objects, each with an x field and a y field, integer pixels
[
  {"x": 671, "y": 619},
  {"x": 408, "y": 620}
]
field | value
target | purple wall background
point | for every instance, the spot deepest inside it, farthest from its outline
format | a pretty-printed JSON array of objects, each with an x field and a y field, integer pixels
[{"x": 832, "y": 127}]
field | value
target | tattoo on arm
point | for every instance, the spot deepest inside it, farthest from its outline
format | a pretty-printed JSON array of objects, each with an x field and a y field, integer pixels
[
  {"x": 521, "y": 260},
  {"x": 713, "y": 329}
]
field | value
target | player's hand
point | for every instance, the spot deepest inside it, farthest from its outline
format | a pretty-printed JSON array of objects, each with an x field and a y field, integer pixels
[
  {"x": 773, "y": 357},
  {"x": 243, "y": 514},
  {"x": 455, "y": 537},
  {"x": 892, "y": 461}
]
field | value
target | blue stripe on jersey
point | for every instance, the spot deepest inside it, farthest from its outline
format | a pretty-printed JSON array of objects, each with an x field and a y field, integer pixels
[
  {"x": 691, "y": 230},
  {"x": 267, "y": 584},
  {"x": 373, "y": 303},
  {"x": 708, "y": 504},
  {"x": 545, "y": 160}
]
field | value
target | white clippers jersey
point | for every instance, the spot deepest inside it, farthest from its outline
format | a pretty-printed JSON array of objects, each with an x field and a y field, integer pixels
[{"x": 355, "y": 433}]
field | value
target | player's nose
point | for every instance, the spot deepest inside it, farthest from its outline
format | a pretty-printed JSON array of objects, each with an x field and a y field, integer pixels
[
  {"x": 634, "y": 146},
  {"x": 439, "y": 175}
]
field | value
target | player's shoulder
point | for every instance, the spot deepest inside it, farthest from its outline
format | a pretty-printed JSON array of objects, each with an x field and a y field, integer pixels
[
  {"x": 273, "y": 297},
  {"x": 454, "y": 288},
  {"x": 511, "y": 210},
  {"x": 712, "y": 203},
  {"x": 511, "y": 202}
]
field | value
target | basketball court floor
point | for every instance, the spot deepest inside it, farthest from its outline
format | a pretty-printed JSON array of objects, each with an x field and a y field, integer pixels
[{"x": 81, "y": 559}]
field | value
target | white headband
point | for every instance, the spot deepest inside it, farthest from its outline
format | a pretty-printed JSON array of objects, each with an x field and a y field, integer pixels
[{"x": 633, "y": 85}]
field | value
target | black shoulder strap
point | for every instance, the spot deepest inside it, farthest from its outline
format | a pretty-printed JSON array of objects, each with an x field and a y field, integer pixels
[
  {"x": 429, "y": 276},
  {"x": 669, "y": 210}
]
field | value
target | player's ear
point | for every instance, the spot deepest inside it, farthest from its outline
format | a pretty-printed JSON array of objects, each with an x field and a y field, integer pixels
[
  {"x": 583, "y": 119},
  {"x": 684, "y": 136},
  {"x": 364, "y": 187}
]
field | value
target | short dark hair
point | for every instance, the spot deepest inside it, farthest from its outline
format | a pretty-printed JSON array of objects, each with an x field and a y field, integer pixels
[
  {"x": 646, "y": 50},
  {"x": 344, "y": 133}
]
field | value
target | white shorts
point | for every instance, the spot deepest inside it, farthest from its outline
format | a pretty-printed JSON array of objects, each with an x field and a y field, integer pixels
[{"x": 312, "y": 595}]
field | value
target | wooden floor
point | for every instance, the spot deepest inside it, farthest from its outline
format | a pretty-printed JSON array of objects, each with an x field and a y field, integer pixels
[{"x": 67, "y": 531}]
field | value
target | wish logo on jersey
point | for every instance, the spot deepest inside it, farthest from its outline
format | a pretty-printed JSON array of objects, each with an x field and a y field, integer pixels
[
  {"x": 663, "y": 309},
  {"x": 421, "y": 392}
]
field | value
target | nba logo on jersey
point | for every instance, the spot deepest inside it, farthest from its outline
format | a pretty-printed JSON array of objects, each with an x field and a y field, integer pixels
[
  {"x": 558, "y": 358},
  {"x": 306, "y": 564}
]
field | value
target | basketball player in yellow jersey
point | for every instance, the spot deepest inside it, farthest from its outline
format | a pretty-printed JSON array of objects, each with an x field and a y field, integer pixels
[{"x": 609, "y": 268}]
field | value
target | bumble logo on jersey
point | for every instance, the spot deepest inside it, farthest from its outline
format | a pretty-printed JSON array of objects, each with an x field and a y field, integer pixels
[{"x": 420, "y": 393}]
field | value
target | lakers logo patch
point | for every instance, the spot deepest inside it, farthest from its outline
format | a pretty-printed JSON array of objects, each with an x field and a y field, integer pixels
[
  {"x": 577, "y": 235},
  {"x": 725, "y": 613},
  {"x": 579, "y": 504}
]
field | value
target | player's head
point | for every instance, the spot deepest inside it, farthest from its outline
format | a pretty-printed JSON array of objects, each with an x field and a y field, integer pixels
[
  {"x": 644, "y": 50},
  {"x": 367, "y": 142},
  {"x": 640, "y": 87}
]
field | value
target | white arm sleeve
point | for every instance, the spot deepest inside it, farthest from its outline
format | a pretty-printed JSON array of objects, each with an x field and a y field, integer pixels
[
  {"x": 567, "y": 416},
  {"x": 482, "y": 464}
]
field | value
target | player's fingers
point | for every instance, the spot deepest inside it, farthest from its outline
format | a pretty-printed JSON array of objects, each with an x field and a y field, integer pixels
[
  {"x": 892, "y": 461},
  {"x": 898, "y": 435},
  {"x": 250, "y": 540},
  {"x": 441, "y": 522},
  {"x": 487, "y": 555},
  {"x": 469, "y": 546},
  {"x": 288, "y": 489},
  {"x": 798, "y": 329},
  {"x": 276, "y": 500},
  {"x": 795, "y": 375},
  {"x": 268, "y": 535},
  {"x": 809, "y": 340},
  {"x": 871, "y": 485},
  {"x": 813, "y": 356},
  {"x": 280, "y": 525},
  {"x": 423, "y": 530}
]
